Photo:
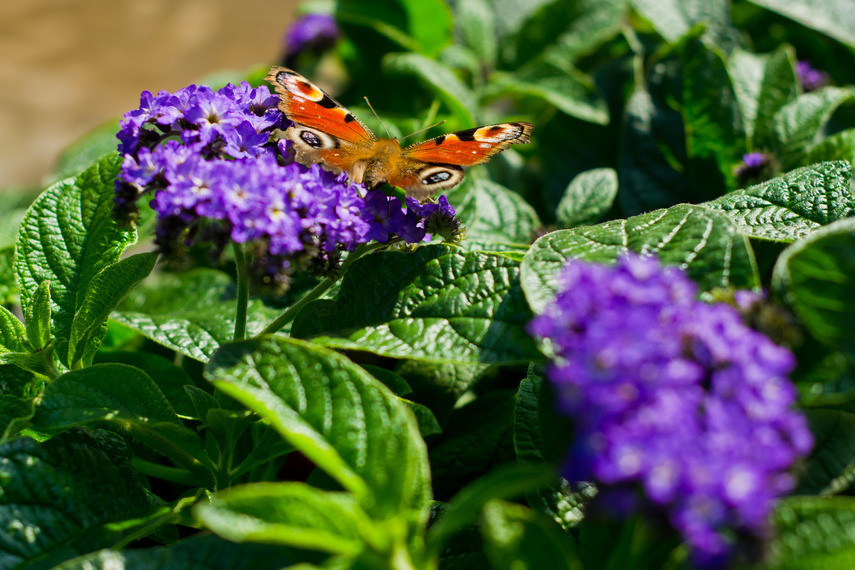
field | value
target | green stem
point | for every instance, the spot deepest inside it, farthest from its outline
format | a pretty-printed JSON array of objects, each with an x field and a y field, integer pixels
[
  {"x": 242, "y": 292},
  {"x": 321, "y": 288},
  {"x": 182, "y": 476}
]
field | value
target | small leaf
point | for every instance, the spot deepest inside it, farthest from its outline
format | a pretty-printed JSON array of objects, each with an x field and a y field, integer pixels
[
  {"x": 430, "y": 23},
  {"x": 438, "y": 303},
  {"x": 703, "y": 241},
  {"x": 454, "y": 91},
  {"x": 813, "y": 533},
  {"x": 8, "y": 287},
  {"x": 62, "y": 497},
  {"x": 495, "y": 217},
  {"x": 831, "y": 17},
  {"x": 817, "y": 275},
  {"x": 289, "y": 514},
  {"x": 336, "y": 414},
  {"x": 192, "y": 314},
  {"x": 37, "y": 317},
  {"x": 799, "y": 123},
  {"x": 587, "y": 197},
  {"x": 128, "y": 398},
  {"x": 477, "y": 22},
  {"x": 104, "y": 293},
  {"x": 13, "y": 335},
  {"x": 839, "y": 146},
  {"x": 67, "y": 237},
  {"x": 763, "y": 84},
  {"x": 518, "y": 538}
]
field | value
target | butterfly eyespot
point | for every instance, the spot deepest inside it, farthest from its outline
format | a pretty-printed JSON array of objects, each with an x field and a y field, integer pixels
[
  {"x": 311, "y": 139},
  {"x": 437, "y": 177}
]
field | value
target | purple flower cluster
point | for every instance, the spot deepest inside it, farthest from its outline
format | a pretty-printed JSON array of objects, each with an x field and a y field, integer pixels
[
  {"x": 810, "y": 78},
  {"x": 674, "y": 397},
  {"x": 311, "y": 33},
  {"x": 754, "y": 166},
  {"x": 218, "y": 176}
]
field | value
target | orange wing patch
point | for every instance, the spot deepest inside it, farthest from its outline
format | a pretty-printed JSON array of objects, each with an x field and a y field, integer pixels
[
  {"x": 304, "y": 102},
  {"x": 472, "y": 146}
]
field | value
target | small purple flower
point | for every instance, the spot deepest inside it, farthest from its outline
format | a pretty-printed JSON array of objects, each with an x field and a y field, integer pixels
[
  {"x": 754, "y": 166},
  {"x": 674, "y": 397},
  {"x": 810, "y": 78},
  {"x": 312, "y": 32}
]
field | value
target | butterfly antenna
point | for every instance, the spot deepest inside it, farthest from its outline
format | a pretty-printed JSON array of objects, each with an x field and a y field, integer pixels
[
  {"x": 424, "y": 129},
  {"x": 378, "y": 117}
]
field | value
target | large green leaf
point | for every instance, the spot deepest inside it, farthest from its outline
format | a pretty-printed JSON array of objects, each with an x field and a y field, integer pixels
[
  {"x": 495, "y": 217},
  {"x": 128, "y": 398},
  {"x": 704, "y": 241},
  {"x": 799, "y": 123},
  {"x": 290, "y": 514},
  {"x": 63, "y": 497},
  {"x": 673, "y": 19},
  {"x": 813, "y": 533},
  {"x": 437, "y": 303},
  {"x": 793, "y": 205},
  {"x": 346, "y": 422},
  {"x": 477, "y": 22},
  {"x": 104, "y": 293},
  {"x": 817, "y": 275},
  {"x": 763, "y": 84},
  {"x": 456, "y": 94},
  {"x": 192, "y": 314},
  {"x": 200, "y": 552},
  {"x": 518, "y": 538},
  {"x": 67, "y": 237},
  {"x": 587, "y": 197},
  {"x": 832, "y": 17},
  {"x": 714, "y": 132}
]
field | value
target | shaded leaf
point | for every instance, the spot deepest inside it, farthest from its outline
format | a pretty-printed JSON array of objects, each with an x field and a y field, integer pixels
[
  {"x": 831, "y": 17},
  {"x": 799, "y": 123},
  {"x": 494, "y": 216},
  {"x": 587, "y": 197},
  {"x": 441, "y": 78}
]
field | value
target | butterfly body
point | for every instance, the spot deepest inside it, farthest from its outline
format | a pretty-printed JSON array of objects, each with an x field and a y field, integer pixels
[{"x": 325, "y": 132}]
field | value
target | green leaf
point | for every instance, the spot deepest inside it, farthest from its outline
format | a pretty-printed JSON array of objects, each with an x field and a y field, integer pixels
[
  {"x": 673, "y": 19},
  {"x": 438, "y": 303},
  {"x": 290, "y": 514},
  {"x": 128, "y": 398},
  {"x": 456, "y": 94},
  {"x": 430, "y": 23},
  {"x": 799, "y": 123},
  {"x": 518, "y": 538},
  {"x": 428, "y": 424},
  {"x": 8, "y": 287},
  {"x": 830, "y": 468},
  {"x": 201, "y": 551},
  {"x": 336, "y": 414},
  {"x": 420, "y": 26},
  {"x": 762, "y": 84},
  {"x": 817, "y": 276},
  {"x": 13, "y": 335},
  {"x": 791, "y": 206},
  {"x": 37, "y": 317},
  {"x": 65, "y": 496},
  {"x": 703, "y": 241},
  {"x": 831, "y": 17},
  {"x": 477, "y": 22},
  {"x": 567, "y": 88},
  {"x": 494, "y": 216},
  {"x": 587, "y": 197},
  {"x": 839, "y": 146},
  {"x": 503, "y": 483},
  {"x": 15, "y": 381},
  {"x": 86, "y": 151},
  {"x": 104, "y": 293},
  {"x": 478, "y": 437},
  {"x": 813, "y": 533},
  {"x": 714, "y": 131},
  {"x": 192, "y": 314},
  {"x": 67, "y": 237}
]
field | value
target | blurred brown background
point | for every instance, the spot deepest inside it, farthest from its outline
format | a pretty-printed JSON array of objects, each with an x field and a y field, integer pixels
[{"x": 67, "y": 66}]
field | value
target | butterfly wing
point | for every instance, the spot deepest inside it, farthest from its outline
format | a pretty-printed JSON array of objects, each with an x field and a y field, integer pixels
[
  {"x": 323, "y": 131},
  {"x": 435, "y": 164}
]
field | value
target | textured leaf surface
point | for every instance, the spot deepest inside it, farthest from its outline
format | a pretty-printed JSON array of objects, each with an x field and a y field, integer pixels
[
  {"x": 438, "y": 303},
  {"x": 672, "y": 19},
  {"x": 830, "y": 468},
  {"x": 814, "y": 533},
  {"x": 587, "y": 197},
  {"x": 335, "y": 413},
  {"x": 192, "y": 314},
  {"x": 799, "y": 123},
  {"x": 832, "y": 17},
  {"x": 793, "y": 205},
  {"x": 703, "y": 241},
  {"x": 13, "y": 335},
  {"x": 817, "y": 275},
  {"x": 60, "y": 496},
  {"x": 291, "y": 514},
  {"x": 495, "y": 217},
  {"x": 67, "y": 237}
]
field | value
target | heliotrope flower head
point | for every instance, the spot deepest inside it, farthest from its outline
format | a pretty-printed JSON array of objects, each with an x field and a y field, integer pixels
[
  {"x": 673, "y": 397},
  {"x": 218, "y": 177},
  {"x": 811, "y": 78},
  {"x": 311, "y": 33}
]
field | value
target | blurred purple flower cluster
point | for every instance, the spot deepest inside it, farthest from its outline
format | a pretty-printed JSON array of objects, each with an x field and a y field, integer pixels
[
  {"x": 218, "y": 176},
  {"x": 755, "y": 166},
  {"x": 673, "y": 397},
  {"x": 811, "y": 78},
  {"x": 311, "y": 33}
]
